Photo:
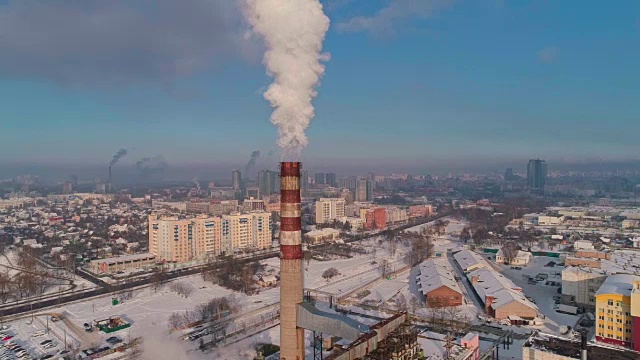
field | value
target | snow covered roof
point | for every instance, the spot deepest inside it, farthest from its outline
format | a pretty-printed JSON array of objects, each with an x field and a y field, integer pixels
[
  {"x": 119, "y": 259},
  {"x": 487, "y": 282},
  {"x": 467, "y": 259},
  {"x": 621, "y": 284},
  {"x": 433, "y": 275},
  {"x": 521, "y": 254}
]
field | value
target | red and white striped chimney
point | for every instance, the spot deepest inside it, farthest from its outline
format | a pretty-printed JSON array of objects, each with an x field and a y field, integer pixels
[{"x": 291, "y": 275}]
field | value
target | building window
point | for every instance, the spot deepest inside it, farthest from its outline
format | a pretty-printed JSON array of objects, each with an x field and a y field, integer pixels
[{"x": 610, "y": 302}]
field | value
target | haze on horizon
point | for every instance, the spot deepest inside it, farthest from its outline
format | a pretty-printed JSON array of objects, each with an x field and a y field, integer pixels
[{"x": 411, "y": 85}]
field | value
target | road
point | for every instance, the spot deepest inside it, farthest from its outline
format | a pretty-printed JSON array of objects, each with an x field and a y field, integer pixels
[{"x": 106, "y": 288}]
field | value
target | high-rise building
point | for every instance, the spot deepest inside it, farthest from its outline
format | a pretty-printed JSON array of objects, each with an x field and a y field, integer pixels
[
  {"x": 348, "y": 183},
  {"x": 364, "y": 190},
  {"x": 246, "y": 231},
  {"x": 67, "y": 187},
  {"x": 329, "y": 209},
  {"x": 174, "y": 239},
  {"x": 508, "y": 175},
  {"x": 330, "y": 179},
  {"x": 269, "y": 182},
  {"x": 536, "y": 174},
  {"x": 185, "y": 239},
  {"x": 304, "y": 182},
  {"x": 236, "y": 179},
  {"x": 253, "y": 192},
  {"x": 320, "y": 178}
]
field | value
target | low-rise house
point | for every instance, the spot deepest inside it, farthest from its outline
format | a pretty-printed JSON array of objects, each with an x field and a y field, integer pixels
[
  {"x": 322, "y": 235},
  {"x": 121, "y": 263},
  {"x": 523, "y": 258}
]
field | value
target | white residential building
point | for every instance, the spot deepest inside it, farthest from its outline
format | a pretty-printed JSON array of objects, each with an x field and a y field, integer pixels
[
  {"x": 329, "y": 210},
  {"x": 581, "y": 284},
  {"x": 523, "y": 258}
]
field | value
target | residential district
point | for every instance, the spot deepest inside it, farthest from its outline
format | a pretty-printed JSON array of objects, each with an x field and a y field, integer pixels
[{"x": 526, "y": 266}]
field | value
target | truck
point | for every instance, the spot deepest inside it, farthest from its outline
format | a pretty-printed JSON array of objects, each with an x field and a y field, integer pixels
[{"x": 567, "y": 309}]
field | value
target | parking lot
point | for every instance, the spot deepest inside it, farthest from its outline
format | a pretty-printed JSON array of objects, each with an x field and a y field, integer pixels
[{"x": 31, "y": 339}]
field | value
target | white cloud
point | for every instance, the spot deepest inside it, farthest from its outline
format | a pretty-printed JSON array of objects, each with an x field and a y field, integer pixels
[{"x": 385, "y": 20}]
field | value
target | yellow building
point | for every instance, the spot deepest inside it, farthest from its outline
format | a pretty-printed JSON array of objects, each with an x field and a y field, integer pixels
[{"x": 614, "y": 322}]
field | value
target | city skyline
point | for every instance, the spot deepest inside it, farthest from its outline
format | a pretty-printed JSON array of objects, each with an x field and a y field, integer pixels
[{"x": 421, "y": 85}]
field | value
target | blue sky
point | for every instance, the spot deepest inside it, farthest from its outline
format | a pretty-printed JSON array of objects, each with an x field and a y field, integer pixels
[{"x": 493, "y": 80}]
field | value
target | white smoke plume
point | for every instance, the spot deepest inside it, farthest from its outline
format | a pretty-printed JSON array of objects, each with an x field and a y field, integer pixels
[{"x": 293, "y": 32}]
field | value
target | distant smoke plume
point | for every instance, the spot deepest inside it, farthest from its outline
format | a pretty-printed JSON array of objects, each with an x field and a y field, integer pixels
[
  {"x": 252, "y": 161},
  {"x": 119, "y": 155},
  {"x": 152, "y": 165},
  {"x": 293, "y": 32},
  {"x": 196, "y": 182}
]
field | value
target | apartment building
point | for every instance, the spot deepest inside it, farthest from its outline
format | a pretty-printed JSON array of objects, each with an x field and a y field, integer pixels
[
  {"x": 614, "y": 322},
  {"x": 329, "y": 209},
  {"x": 580, "y": 284},
  {"x": 396, "y": 215},
  {"x": 177, "y": 239},
  {"x": 246, "y": 231}
]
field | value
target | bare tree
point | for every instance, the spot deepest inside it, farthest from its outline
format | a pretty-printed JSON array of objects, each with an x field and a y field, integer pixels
[
  {"x": 385, "y": 268},
  {"x": 402, "y": 303},
  {"x": 330, "y": 273},
  {"x": 393, "y": 247},
  {"x": 158, "y": 277},
  {"x": 510, "y": 251},
  {"x": 181, "y": 288}
]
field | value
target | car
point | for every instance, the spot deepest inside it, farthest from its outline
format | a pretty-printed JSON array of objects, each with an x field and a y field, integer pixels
[
  {"x": 46, "y": 342},
  {"x": 62, "y": 352},
  {"x": 87, "y": 327},
  {"x": 21, "y": 352},
  {"x": 8, "y": 337},
  {"x": 49, "y": 356},
  {"x": 49, "y": 345}
]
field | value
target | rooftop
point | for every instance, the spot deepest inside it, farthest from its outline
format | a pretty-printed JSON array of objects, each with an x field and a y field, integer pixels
[
  {"x": 621, "y": 284},
  {"x": 571, "y": 348},
  {"x": 435, "y": 274},
  {"x": 118, "y": 259}
]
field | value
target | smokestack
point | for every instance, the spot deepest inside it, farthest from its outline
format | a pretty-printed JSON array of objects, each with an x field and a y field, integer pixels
[
  {"x": 291, "y": 280},
  {"x": 109, "y": 179},
  {"x": 583, "y": 345}
]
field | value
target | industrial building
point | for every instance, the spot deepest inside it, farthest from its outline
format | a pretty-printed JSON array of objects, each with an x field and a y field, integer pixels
[
  {"x": 438, "y": 284},
  {"x": 502, "y": 298},
  {"x": 121, "y": 263},
  {"x": 541, "y": 346}
]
